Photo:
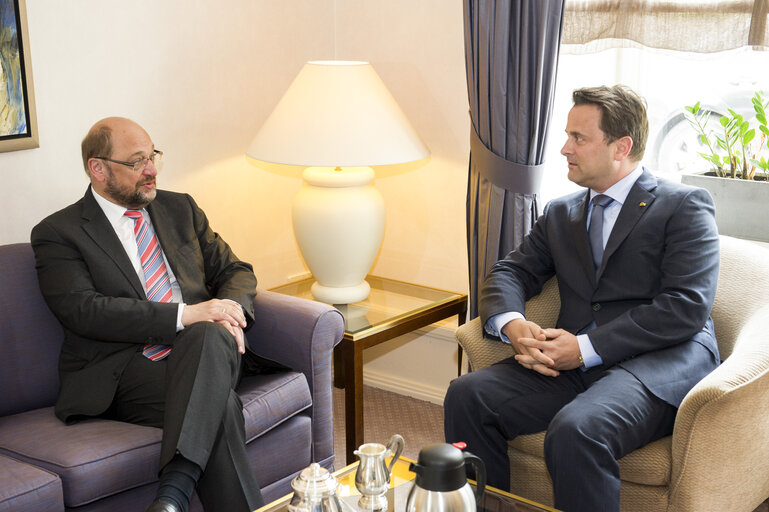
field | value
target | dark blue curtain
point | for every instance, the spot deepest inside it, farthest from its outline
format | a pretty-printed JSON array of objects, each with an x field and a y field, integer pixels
[{"x": 511, "y": 53}]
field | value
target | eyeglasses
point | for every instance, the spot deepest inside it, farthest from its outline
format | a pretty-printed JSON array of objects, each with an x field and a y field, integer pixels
[{"x": 139, "y": 165}]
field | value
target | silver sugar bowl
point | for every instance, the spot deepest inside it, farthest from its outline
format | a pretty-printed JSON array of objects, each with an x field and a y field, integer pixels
[{"x": 315, "y": 491}]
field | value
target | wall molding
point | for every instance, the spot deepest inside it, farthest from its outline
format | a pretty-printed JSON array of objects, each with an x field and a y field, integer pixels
[
  {"x": 441, "y": 332},
  {"x": 402, "y": 386}
]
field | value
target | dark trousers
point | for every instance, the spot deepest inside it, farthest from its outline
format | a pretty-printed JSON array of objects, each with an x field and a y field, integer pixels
[
  {"x": 592, "y": 418},
  {"x": 191, "y": 395}
]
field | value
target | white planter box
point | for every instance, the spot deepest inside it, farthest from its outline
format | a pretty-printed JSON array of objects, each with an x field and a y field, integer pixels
[{"x": 742, "y": 206}]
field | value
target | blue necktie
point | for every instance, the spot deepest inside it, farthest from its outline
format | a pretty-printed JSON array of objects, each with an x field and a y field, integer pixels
[{"x": 595, "y": 231}]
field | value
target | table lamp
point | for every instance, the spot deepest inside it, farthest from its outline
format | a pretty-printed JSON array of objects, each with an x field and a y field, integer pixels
[{"x": 338, "y": 120}]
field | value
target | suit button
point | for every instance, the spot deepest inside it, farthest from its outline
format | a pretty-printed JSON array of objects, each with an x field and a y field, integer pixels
[{"x": 596, "y": 307}]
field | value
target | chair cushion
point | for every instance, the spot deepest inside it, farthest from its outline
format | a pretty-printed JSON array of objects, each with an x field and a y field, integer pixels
[
  {"x": 94, "y": 458},
  {"x": 269, "y": 400},
  {"x": 649, "y": 465},
  {"x": 24, "y": 488},
  {"x": 97, "y": 458}
]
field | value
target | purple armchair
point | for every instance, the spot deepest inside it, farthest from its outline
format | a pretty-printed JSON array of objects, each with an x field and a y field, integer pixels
[{"x": 109, "y": 465}]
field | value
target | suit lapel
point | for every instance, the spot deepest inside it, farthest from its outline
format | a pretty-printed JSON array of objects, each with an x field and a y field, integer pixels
[
  {"x": 158, "y": 214},
  {"x": 96, "y": 226},
  {"x": 578, "y": 232},
  {"x": 168, "y": 236},
  {"x": 638, "y": 201}
]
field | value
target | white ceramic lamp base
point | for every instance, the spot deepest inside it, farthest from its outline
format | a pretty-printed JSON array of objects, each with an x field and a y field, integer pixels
[
  {"x": 338, "y": 219},
  {"x": 340, "y": 294}
]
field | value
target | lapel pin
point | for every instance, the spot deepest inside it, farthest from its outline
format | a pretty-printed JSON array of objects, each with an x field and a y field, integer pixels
[{"x": 641, "y": 204}]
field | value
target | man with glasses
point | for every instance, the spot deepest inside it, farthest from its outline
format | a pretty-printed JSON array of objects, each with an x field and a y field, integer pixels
[{"x": 153, "y": 304}]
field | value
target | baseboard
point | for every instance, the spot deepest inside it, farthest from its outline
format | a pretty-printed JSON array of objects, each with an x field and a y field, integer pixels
[
  {"x": 441, "y": 332},
  {"x": 403, "y": 386}
]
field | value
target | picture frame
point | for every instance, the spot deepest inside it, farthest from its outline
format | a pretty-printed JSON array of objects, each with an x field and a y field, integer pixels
[{"x": 18, "y": 120}]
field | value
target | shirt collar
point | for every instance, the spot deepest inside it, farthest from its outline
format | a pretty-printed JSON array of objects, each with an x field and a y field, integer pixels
[
  {"x": 620, "y": 190},
  {"x": 114, "y": 212}
]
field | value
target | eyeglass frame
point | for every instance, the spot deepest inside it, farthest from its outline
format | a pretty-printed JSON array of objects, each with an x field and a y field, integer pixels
[{"x": 142, "y": 161}]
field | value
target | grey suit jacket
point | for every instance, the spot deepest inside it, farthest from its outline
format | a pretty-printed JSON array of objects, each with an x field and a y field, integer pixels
[
  {"x": 652, "y": 296},
  {"x": 89, "y": 284}
]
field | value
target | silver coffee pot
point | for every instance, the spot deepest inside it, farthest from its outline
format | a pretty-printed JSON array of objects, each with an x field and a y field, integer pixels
[
  {"x": 315, "y": 491},
  {"x": 441, "y": 481}
]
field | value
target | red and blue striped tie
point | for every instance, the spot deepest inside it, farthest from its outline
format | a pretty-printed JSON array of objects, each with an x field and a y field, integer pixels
[{"x": 155, "y": 274}]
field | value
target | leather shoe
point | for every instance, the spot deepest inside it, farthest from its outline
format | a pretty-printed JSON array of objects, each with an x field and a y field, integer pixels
[{"x": 163, "y": 506}]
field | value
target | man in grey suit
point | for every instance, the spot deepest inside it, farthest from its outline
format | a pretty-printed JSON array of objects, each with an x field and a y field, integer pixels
[
  {"x": 115, "y": 361},
  {"x": 637, "y": 268}
]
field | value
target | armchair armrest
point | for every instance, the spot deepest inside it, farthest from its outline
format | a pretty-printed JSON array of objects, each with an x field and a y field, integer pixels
[
  {"x": 481, "y": 352},
  {"x": 721, "y": 434},
  {"x": 301, "y": 334}
]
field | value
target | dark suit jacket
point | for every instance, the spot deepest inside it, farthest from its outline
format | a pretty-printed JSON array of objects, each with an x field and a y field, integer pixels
[
  {"x": 652, "y": 296},
  {"x": 89, "y": 284}
]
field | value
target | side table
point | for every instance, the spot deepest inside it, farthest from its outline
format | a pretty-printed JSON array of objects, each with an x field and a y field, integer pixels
[{"x": 393, "y": 308}]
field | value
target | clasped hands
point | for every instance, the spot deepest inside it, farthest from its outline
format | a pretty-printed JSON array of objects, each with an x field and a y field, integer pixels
[
  {"x": 225, "y": 312},
  {"x": 546, "y": 351}
]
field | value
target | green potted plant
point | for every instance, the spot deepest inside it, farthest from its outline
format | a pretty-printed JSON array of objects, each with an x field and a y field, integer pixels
[{"x": 737, "y": 151}]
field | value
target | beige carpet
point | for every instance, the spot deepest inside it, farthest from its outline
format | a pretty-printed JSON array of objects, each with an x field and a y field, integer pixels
[
  {"x": 384, "y": 414},
  {"x": 419, "y": 422}
]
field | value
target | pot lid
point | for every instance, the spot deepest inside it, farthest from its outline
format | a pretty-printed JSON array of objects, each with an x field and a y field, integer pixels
[
  {"x": 314, "y": 481},
  {"x": 442, "y": 457}
]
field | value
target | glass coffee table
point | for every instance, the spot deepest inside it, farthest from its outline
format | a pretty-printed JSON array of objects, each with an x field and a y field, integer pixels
[
  {"x": 392, "y": 309},
  {"x": 493, "y": 499}
]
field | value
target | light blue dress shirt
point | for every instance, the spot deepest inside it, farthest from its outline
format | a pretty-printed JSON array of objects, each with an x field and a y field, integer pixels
[{"x": 618, "y": 192}]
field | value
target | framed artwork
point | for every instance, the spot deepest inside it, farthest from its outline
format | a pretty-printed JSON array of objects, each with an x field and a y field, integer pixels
[{"x": 18, "y": 124}]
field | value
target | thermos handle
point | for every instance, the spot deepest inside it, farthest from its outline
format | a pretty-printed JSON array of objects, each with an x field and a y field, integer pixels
[
  {"x": 480, "y": 474},
  {"x": 396, "y": 440}
]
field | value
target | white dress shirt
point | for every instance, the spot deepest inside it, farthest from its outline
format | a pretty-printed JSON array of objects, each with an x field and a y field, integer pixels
[
  {"x": 618, "y": 192},
  {"x": 124, "y": 229}
]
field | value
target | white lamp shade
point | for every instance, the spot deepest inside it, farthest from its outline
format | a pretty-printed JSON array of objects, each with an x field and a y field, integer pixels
[
  {"x": 337, "y": 114},
  {"x": 337, "y": 119}
]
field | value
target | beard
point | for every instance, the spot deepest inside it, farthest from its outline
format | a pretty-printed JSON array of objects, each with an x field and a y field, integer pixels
[{"x": 134, "y": 199}]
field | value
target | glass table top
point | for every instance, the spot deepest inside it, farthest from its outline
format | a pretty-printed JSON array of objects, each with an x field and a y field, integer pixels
[
  {"x": 493, "y": 499},
  {"x": 390, "y": 301}
]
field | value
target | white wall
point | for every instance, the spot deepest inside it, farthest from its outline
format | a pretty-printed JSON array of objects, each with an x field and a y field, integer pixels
[
  {"x": 199, "y": 77},
  {"x": 418, "y": 50},
  {"x": 417, "y": 47},
  {"x": 202, "y": 76}
]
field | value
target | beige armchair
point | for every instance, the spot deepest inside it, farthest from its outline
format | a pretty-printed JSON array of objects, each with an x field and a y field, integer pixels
[{"x": 718, "y": 456}]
